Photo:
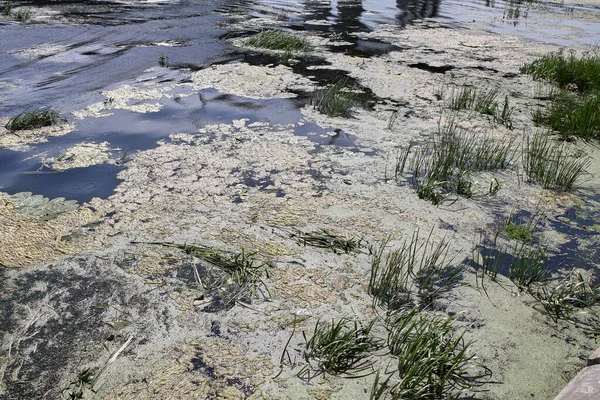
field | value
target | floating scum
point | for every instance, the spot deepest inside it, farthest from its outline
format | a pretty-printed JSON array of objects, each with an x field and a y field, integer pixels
[{"x": 29, "y": 239}]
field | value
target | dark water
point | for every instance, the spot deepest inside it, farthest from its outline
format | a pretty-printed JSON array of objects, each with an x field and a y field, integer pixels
[{"x": 102, "y": 45}]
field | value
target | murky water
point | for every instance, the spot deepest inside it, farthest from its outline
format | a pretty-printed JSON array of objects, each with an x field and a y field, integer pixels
[{"x": 73, "y": 50}]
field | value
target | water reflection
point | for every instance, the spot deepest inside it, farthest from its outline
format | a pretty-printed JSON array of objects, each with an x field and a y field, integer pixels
[
  {"x": 349, "y": 14},
  {"x": 515, "y": 11},
  {"x": 411, "y": 10},
  {"x": 318, "y": 10}
]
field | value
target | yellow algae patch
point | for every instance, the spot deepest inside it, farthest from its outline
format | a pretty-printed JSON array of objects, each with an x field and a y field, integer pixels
[
  {"x": 254, "y": 244},
  {"x": 294, "y": 283},
  {"x": 201, "y": 369},
  {"x": 27, "y": 240}
]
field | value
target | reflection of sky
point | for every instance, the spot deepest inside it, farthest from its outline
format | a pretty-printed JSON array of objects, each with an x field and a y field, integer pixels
[{"x": 548, "y": 23}]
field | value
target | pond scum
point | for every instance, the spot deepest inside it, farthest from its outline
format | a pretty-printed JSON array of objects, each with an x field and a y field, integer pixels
[{"x": 411, "y": 346}]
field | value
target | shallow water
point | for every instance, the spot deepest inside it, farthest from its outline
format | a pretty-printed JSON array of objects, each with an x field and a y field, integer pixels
[{"x": 74, "y": 49}]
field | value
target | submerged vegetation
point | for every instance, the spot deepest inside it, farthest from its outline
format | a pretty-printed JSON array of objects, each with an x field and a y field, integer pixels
[
  {"x": 242, "y": 270},
  {"x": 34, "y": 119},
  {"x": 326, "y": 240},
  {"x": 278, "y": 40},
  {"x": 564, "y": 298}
]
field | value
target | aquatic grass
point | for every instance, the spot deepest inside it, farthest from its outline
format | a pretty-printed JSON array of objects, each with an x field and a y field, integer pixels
[
  {"x": 278, "y": 40},
  {"x": 544, "y": 90},
  {"x": 486, "y": 102},
  {"x": 488, "y": 259},
  {"x": 522, "y": 263},
  {"x": 563, "y": 299},
  {"x": 326, "y": 240},
  {"x": 34, "y": 119},
  {"x": 504, "y": 117},
  {"x": 568, "y": 71},
  {"x": 242, "y": 269},
  {"x": 483, "y": 101},
  {"x": 436, "y": 273},
  {"x": 390, "y": 282},
  {"x": 336, "y": 348},
  {"x": 527, "y": 265},
  {"x": 572, "y": 114},
  {"x": 7, "y": 10},
  {"x": 22, "y": 15},
  {"x": 432, "y": 358},
  {"x": 163, "y": 61},
  {"x": 462, "y": 98},
  {"x": 553, "y": 165},
  {"x": 445, "y": 164},
  {"x": 574, "y": 111},
  {"x": 417, "y": 268},
  {"x": 335, "y": 100}
]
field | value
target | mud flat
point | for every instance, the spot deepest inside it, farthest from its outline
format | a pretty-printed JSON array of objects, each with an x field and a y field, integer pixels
[{"x": 222, "y": 245}]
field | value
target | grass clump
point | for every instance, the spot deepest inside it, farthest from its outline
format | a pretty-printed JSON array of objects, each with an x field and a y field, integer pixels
[
  {"x": 335, "y": 100},
  {"x": 516, "y": 229},
  {"x": 278, "y": 40},
  {"x": 337, "y": 348},
  {"x": 483, "y": 101},
  {"x": 7, "y": 10},
  {"x": 240, "y": 272},
  {"x": 445, "y": 164},
  {"x": 462, "y": 98},
  {"x": 522, "y": 263},
  {"x": 553, "y": 165},
  {"x": 163, "y": 61},
  {"x": 518, "y": 232},
  {"x": 432, "y": 359},
  {"x": 574, "y": 111},
  {"x": 22, "y": 15},
  {"x": 572, "y": 114},
  {"x": 416, "y": 269},
  {"x": 567, "y": 71},
  {"x": 34, "y": 119},
  {"x": 563, "y": 299}
]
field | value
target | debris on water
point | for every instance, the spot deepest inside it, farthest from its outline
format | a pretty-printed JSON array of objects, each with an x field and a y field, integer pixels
[
  {"x": 250, "y": 81},
  {"x": 81, "y": 155},
  {"x": 125, "y": 97}
]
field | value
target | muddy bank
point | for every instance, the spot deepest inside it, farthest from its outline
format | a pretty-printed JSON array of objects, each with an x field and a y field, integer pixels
[{"x": 110, "y": 303}]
